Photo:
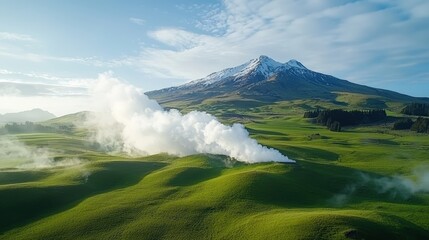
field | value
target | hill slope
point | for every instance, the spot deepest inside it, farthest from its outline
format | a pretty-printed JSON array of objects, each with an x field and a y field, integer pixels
[
  {"x": 323, "y": 196},
  {"x": 199, "y": 197}
]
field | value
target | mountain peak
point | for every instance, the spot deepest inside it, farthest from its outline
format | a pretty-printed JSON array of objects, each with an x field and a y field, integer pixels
[
  {"x": 295, "y": 63},
  {"x": 262, "y": 65},
  {"x": 264, "y": 58}
]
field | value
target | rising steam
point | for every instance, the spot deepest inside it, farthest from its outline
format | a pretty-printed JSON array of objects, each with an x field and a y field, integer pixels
[
  {"x": 127, "y": 120},
  {"x": 15, "y": 154},
  {"x": 396, "y": 187}
]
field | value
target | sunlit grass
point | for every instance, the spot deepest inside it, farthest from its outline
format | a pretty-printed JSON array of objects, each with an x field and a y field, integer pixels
[{"x": 113, "y": 196}]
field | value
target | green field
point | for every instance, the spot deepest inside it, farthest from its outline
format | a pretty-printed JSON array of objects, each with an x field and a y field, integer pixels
[{"x": 334, "y": 191}]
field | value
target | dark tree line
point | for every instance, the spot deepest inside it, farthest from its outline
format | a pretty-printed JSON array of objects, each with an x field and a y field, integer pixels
[
  {"x": 418, "y": 109},
  {"x": 337, "y": 118},
  {"x": 404, "y": 123},
  {"x": 421, "y": 125},
  {"x": 312, "y": 114}
]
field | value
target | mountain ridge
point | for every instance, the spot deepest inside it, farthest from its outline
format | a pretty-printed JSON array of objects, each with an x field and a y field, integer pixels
[
  {"x": 263, "y": 65},
  {"x": 267, "y": 80}
]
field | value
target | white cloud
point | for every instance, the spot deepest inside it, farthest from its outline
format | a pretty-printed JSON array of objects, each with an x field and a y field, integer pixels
[
  {"x": 15, "y": 37},
  {"x": 22, "y": 88},
  {"x": 137, "y": 21},
  {"x": 34, "y": 57},
  {"x": 362, "y": 41},
  {"x": 59, "y": 95},
  {"x": 19, "y": 54},
  {"x": 44, "y": 78},
  {"x": 212, "y": 18},
  {"x": 179, "y": 39},
  {"x": 58, "y": 105},
  {"x": 9, "y": 90}
]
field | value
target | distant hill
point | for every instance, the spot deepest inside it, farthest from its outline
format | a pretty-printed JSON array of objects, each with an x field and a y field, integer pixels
[
  {"x": 69, "y": 119},
  {"x": 34, "y": 115},
  {"x": 264, "y": 79}
]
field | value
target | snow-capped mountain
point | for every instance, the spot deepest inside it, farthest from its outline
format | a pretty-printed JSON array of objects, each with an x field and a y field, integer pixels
[
  {"x": 262, "y": 65},
  {"x": 265, "y": 79}
]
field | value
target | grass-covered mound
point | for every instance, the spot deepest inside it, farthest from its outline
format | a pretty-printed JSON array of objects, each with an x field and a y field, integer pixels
[{"x": 202, "y": 197}]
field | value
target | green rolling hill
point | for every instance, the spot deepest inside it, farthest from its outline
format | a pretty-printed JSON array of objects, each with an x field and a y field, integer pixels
[{"x": 213, "y": 197}]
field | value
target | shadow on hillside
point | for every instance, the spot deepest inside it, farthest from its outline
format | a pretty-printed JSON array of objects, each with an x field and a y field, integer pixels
[
  {"x": 23, "y": 205},
  {"x": 310, "y": 184}
]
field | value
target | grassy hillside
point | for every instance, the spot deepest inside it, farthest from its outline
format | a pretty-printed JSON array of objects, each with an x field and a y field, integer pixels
[
  {"x": 197, "y": 197},
  {"x": 334, "y": 191}
]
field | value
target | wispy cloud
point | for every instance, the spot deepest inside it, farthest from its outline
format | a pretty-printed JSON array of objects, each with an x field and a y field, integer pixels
[
  {"x": 15, "y": 37},
  {"x": 45, "y": 76},
  {"x": 57, "y": 94},
  {"x": 359, "y": 40},
  {"x": 33, "y": 89},
  {"x": 42, "y": 78},
  {"x": 34, "y": 57},
  {"x": 90, "y": 61},
  {"x": 58, "y": 105},
  {"x": 137, "y": 21},
  {"x": 211, "y": 17}
]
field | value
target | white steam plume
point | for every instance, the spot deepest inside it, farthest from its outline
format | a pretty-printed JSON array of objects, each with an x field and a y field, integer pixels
[
  {"x": 14, "y": 154},
  {"x": 127, "y": 120},
  {"x": 401, "y": 186},
  {"x": 396, "y": 187}
]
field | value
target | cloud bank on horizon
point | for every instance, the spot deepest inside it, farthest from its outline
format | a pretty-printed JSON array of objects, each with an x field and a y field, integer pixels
[{"x": 127, "y": 120}]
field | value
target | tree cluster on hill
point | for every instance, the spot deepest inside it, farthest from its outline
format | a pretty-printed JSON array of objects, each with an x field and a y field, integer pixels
[
  {"x": 312, "y": 114},
  {"x": 421, "y": 125},
  {"x": 336, "y": 118},
  {"x": 30, "y": 127},
  {"x": 404, "y": 123},
  {"x": 418, "y": 109}
]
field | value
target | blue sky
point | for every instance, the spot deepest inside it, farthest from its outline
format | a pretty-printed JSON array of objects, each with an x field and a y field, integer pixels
[{"x": 51, "y": 51}]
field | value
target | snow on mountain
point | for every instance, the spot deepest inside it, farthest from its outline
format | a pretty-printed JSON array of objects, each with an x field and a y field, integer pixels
[
  {"x": 296, "y": 64},
  {"x": 262, "y": 65},
  {"x": 267, "y": 80}
]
